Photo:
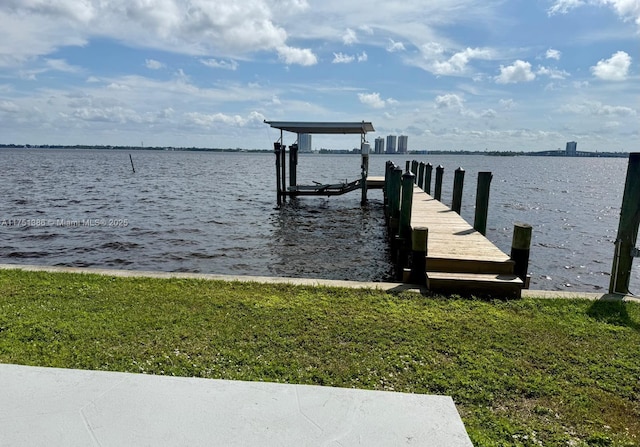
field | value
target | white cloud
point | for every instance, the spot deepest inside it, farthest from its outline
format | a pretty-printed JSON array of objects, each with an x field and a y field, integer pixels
[
  {"x": 341, "y": 58},
  {"x": 300, "y": 56},
  {"x": 456, "y": 64},
  {"x": 564, "y": 6},
  {"x": 507, "y": 104},
  {"x": 553, "y": 73},
  {"x": 553, "y": 54},
  {"x": 210, "y": 120},
  {"x": 153, "y": 64},
  {"x": 626, "y": 9},
  {"x": 597, "y": 108},
  {"x": 349, "y": 37},
  {"x": 215, "y": 63},
  {"x": 519, "y": 71},
  {"x": 449, "y": 101},
  {"x": 8, "y": 106},
  {"x": 374, "y": 100},
  {"x": 61, "y": 65},
  {"x": 616, "y": 68},
  {"x": 394, "y": 46}
]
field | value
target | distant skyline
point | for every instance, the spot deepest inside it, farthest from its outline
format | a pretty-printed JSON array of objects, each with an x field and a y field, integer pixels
[{"x": 502, "y": 75}]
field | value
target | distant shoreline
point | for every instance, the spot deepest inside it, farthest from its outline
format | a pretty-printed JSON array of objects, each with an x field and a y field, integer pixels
[{"x": 556, "y": 153}]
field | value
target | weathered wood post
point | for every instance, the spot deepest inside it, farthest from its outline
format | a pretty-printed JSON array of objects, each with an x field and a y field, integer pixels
[
  {"x": 427, "y": 178},
  {"x": 627, "y": 229},
  {"x": 437, "y": 194},
  {"x": 293, "y": 165},
  {"x": 482, "y": 202},
  {"x": 364, "y": 151},
  {"x": 283, "y": 167},
  {"x": 414, "y": 170},
  {"x": 404, "y": 227},
  {"x": 458, "y": 185},
  {"x": 419, "y": 236},
  {"x": 421, "y": 167},
  {"x": 385, "y": 189},
  {"x": 276, "y": 150},
  {"x": 394, "y": 200},
  {"x": 520, "y": 248}
]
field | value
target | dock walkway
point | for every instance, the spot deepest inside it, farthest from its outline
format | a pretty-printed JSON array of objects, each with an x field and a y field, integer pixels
[{"x": 459, "y": 258}]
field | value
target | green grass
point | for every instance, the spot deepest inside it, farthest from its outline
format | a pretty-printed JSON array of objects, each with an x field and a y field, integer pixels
[{"x": 524, "y": 372}]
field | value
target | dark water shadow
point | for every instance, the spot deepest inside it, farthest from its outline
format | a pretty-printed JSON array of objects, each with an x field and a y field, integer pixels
[{"x": 612, "y": 312}]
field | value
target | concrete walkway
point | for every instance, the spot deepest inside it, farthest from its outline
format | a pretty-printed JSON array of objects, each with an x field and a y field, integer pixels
[
  {"x": 51, "y": 407},
  {"x": 386, "y": 286}
]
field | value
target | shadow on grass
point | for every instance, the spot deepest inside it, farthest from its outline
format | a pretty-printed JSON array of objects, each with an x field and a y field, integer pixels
[{"x": 612, "y": 312}]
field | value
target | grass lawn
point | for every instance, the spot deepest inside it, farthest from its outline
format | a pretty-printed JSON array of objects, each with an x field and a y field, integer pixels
[{"x": 523, "y": 372}]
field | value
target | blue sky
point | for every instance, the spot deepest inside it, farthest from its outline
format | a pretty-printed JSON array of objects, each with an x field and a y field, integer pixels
[{"x": 450, "y": 74}]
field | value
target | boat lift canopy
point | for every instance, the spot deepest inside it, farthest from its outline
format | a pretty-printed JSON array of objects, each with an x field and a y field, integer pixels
[
  {"x": 310, "y": 127},
  {"x": 323, "y": 127}
]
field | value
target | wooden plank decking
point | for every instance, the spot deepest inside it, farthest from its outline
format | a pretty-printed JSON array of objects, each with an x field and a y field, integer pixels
[{"x": 459, "y": 258}]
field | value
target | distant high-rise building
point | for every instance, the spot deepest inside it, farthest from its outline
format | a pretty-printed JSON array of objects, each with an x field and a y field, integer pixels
[
  {"x": 379, "y": 147},
  {"x": 391, "y": 144},
  {"x": 572, "y": 148},
  {"x": 402, "y": 144},
  {"x": 304, "y": 142}
]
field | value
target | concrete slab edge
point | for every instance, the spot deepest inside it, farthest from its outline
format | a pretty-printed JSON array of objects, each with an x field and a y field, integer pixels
[{"x": 384, "y": 286}]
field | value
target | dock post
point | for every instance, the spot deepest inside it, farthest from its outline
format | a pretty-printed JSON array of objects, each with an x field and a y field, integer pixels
[
  {"x": 385, "y": 189},
  {"x": 438, "y": 188},
  {"x": 520, "y": 248},
  {"x": 458, "y": 185},
  {"x": 625, "y": 249},
  {"x": 408, "y": 166},
  {"x": 364, "y": 151},
  {"x": 283, "y": 167},
  {"x": 428, "y": 169},
  {"x": 414, "y": 170},
  {"x": 394, "y": 200},
  {"x": 421, "y": 175},
  {"x": 276, "y": 150},
  {"x": 293, "y": 165},
  {"x": 404, "y": 225},
  {"x": 419, "y": 237},
  {"x": 482, "y": 202}
]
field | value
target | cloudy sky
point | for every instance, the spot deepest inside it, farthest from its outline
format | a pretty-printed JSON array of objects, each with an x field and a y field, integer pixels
[{"x": 450, "y": 74}]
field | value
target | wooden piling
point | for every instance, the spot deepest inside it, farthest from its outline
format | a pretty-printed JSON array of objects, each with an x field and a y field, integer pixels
[
  {"x": 385, "y": 188},
  {"x": 414, "y": 170},
  {"x": 421, "y": 174},
  {"x": 364, "y": 152},
  {"x": 419, "y": 236},
  {"x": 132, "y": 167},
  {"x": 437, "y": 194},
  {"x": 408, "y": 166},
  {"x": 482, "y": 202},
  {"x": 276, "y": 150},
  {"x": 293, "y": 165},
  {"x": 627, "y": 229},
  {"x": 394, "y": 200},
  {"x": 520, "y": 248},
  {"x": 458, "y": 185},
  {"x": 404, "y": 229},
  {"x": 428, "y": 169},
  {"x": 283, "y": 167}
]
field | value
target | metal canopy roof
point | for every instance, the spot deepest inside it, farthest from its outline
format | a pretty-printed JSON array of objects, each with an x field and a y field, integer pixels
[{"x": 326, "y": 128}]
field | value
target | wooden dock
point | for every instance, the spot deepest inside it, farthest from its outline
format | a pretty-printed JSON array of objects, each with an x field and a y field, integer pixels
[
  {"x": 433, "y": 245},
  {"x": 459, "y": 258}
]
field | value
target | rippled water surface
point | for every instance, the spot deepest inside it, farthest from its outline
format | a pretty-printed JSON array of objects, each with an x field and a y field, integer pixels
[{"x": 215, "y": 213}]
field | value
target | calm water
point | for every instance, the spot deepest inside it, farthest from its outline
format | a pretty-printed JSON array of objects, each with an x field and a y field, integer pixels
[{"x": 215, "y": 213}]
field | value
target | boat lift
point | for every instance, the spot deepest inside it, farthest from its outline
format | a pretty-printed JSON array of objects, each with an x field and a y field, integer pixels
[{"x": 317, "y": 189}]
